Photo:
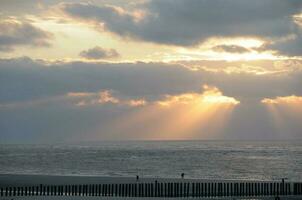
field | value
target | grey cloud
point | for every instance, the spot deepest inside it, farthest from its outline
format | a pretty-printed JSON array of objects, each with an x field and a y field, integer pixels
[
  {"x": 99, "y": 53},
  {"x": 190, "y": 22},
  {"x": 230, "y": 49},
  {"x": 25, "y": 80},
  {"x": 15, "y": 33},
  {"x": 290, "y": 47}
]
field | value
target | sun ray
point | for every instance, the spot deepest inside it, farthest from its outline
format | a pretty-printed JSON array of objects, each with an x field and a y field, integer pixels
[{"x": 184, "y": 116}]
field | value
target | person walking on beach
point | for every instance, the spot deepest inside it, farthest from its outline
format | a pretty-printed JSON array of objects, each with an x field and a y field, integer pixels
[
  {"x": 137, "y": 178},
  {"x": 182, "y": 175}
]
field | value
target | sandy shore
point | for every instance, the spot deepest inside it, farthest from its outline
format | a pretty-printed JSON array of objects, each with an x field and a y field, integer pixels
[{"x": 24, "y": 180}]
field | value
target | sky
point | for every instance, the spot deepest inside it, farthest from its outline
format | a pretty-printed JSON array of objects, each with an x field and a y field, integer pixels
[{"x": 97, "y": 70}]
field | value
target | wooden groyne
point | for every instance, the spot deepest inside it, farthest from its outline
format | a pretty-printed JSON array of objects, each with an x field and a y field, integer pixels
[{"x": 161, "y": 189}]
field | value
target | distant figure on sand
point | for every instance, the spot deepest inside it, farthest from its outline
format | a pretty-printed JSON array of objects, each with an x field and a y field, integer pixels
[
  {"x": 137, "y": 177},
  {"x": 182, "y": 175}
]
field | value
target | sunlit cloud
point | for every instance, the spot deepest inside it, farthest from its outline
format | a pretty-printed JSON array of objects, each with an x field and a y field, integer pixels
[
  {"x": 211, "y": 95},
  {"x": 283, "y": 100},
  {"x": 137, "y": 102},
  {"x": 102, "y": 97},
  {"x": 79, "y": 94}
]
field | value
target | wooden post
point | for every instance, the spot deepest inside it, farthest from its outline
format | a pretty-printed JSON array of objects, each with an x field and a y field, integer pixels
[
  {"x": 139, "y": 190},
  {"x": 54, "y": 190},
  {"x": 148, "y": 190},
  {"x": 207, "y": 189},
  {"x": 240, "y": 193},
  {"x": 152, "y": 189},
  {"x": 47, "y": 190},
  {"x": 107, "y": 192},
  {"x": 198, "y": 189},
  {"x": 123, "y": 190},
  {"x": 116, "y": 190},
  {"x": 119, "y": 190},
  {"x": 14, "y": 191},
  {"x": 181, "y": 189},
  {"x": 173, "y": 190},
  {"x": 131, "y": 190}
]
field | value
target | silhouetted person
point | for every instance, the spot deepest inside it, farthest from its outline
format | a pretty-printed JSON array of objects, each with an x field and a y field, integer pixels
[
  {"x": 137, "y": 177},
  {"x": 182, "y": 175}
]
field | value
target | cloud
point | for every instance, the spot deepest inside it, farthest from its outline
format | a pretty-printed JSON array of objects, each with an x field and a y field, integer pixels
[
  {"x": 103, "y": 97},
  {"x": 99, "y": 53},
  {"x": 210, "y": 95},
  {"x": 230, "y": 49},
  {"x": 293, "y": 99},
  {"x": 290, "y": 46},
  {"x": 56, "y": 101},
  {"x": 190, "y": 22},
  {"x": 15, "y": 33},
  {"x": 23, "y": 79}
]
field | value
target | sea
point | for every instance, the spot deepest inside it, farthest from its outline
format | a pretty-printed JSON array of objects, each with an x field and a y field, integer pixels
[{"x": 219, "y": 160}]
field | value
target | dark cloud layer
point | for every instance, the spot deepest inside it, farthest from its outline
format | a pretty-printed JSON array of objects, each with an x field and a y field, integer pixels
[
  {"x": 15, "y": 33},
  {"x": 231, "y": 49},
  {"x": 289, "y": 47},
  {"x": 31, "y": 95},
  {"x": 99, "y": 53},
  {"x": 25, "y": 79},
  {"x": 191, "y": 22}
]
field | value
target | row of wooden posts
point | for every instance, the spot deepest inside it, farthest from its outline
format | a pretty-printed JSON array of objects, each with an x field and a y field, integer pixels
[{"x": 157, "y": 189}]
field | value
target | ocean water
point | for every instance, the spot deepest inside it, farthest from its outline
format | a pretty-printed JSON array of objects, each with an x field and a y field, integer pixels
[{"x": 248, "y": 160}]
